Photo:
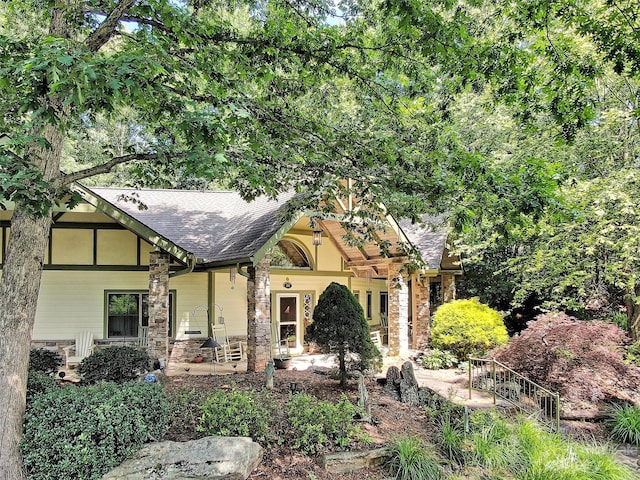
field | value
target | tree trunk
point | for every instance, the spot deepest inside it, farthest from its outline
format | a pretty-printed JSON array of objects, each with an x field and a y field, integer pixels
[
  {"x": 342, "y": 366},
  {"x": 19, "y": 289},
  {"x": 633, "y": 312},
  {"x": 20, "y": 285}
]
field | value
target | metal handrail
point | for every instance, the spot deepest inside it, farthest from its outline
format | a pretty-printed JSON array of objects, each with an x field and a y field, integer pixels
[{"x": 516, "y": 389}]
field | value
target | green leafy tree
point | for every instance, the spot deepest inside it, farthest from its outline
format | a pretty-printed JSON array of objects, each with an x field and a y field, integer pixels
[
  {"x": 339, "y": 325},
  {"x": 259, "y": 97}
]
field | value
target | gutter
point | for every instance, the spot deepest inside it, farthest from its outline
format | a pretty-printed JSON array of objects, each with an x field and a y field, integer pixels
[{"x": 191, "y": 264}]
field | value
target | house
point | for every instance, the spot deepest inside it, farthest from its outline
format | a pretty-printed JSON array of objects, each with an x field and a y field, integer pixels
[{"x": 168, "y": 264}]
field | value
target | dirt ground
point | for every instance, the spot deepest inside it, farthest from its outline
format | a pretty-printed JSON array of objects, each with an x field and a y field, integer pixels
[{"x": 390, "y": 419}]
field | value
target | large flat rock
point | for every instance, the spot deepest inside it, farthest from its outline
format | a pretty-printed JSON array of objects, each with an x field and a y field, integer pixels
[{"x": 212, "y": 458}]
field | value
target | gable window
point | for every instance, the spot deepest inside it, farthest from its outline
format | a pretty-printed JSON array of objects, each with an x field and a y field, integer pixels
[
  {"x": 289, "y": 255},
  {"x": 127, "y": 311}
]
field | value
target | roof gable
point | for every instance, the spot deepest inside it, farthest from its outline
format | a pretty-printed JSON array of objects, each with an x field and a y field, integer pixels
[{"x": 215, "y": 226}]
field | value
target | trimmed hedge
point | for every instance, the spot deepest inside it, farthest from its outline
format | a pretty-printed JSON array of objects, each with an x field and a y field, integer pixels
[
  {"x": 114, "y": 364},
  {"x": 39, "y": 382},
  {"x": 43, "y": 360},
  {"x": 467, "y": 327},
  {"x": 84, "y": 432}
]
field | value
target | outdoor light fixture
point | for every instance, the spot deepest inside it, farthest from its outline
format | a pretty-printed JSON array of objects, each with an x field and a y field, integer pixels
[
  {"x": 316, "y": 237},
  {"x": 212, "y": 344},
  {"x": 232, "y": 274}
]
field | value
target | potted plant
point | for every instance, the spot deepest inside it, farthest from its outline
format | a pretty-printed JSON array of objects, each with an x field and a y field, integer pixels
[
  {"x": 198, "y": 359},
  {"x": 281, "y": 362}
]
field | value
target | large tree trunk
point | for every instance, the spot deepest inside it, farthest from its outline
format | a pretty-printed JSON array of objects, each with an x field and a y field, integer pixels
[{"x": 19, "y": 289}]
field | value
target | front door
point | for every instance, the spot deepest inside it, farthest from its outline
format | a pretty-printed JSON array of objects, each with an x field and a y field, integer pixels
[{"x": 288, "y": 325}]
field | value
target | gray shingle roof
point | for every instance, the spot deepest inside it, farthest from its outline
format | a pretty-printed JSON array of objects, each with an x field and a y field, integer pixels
[
  {"x": 216, "y": 226},
  {"x": 429, "y": 238}
]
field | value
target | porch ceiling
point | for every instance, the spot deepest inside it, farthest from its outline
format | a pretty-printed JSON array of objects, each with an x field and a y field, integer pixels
[{"x": 367, "y": 259}]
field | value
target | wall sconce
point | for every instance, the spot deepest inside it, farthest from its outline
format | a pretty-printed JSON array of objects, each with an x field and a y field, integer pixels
[
  {"x": 232, "y": 274},
  {"x": 316, "y": 237}
]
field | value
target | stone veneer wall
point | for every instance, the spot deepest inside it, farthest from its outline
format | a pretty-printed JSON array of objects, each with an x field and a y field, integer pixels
[
  {"x": 421, "y": 312},
  {"x": 448, "y": 287},
  {"x": 158, "y": 304},
  {"x": 259, "y": 316},
  {"x": 398, "y": 342}
]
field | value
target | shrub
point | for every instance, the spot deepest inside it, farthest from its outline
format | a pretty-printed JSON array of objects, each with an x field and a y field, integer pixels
[
  {"x": 43, "y": 360},
  {"x": 410, "y": 460},
  {"x": 435, "y": 359},
  {"x": 185, "y": 406},
  {"x": 83, "y": 432},
  {"x": 117, "y": 364},
  {"x": 624, "y": 423},
  {"x": 339, "y": 325},
  {"x": 235, "y": 413},
  {"x": 38, "y": 382},
  {"x": 560, "y": 353},
  {"x": 467, "y": 327},
  {"x": 317, "y": 424},
  {"x": 632, "y": 355}
]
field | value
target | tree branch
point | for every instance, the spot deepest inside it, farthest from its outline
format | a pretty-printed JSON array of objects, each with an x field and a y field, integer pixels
[
  {"x": 108, "y": 166},
  {"x": 105, "y": 31}
]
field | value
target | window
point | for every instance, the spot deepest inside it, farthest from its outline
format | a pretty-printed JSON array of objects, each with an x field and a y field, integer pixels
[
  {"x": 369, "y": 304},
  {"x": 128, "y": 310},
  {"x": 384, "y": 303},
  {"x": 435, "y": 295}
]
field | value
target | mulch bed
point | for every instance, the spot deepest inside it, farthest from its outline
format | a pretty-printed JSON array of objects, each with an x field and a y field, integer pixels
[{"x": 391, "y": 419}]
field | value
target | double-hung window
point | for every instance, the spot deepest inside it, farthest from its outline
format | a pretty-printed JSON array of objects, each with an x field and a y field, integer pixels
[{"x": 127, "y": 311}]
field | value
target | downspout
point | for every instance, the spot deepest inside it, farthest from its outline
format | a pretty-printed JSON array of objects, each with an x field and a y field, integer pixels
[
  {"x": 191, "y": 264},
  {"x": 239, "y": 269}
]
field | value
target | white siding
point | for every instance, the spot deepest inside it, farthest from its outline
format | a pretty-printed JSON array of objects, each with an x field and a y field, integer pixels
[{"x": 73, "y": 301}]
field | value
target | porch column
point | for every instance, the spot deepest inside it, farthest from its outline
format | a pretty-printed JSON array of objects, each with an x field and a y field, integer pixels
[
  {"x": 158, "y": 305},
  {"x": 421, "y": 311},
  {"x": 448, "y": 287},
  {"x": 398, "y": 311},
  {"x": 259, "y": 316}
]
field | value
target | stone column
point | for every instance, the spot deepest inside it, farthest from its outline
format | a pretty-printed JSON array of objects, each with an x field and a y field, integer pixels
[
  {"x": 259, "y": 316},
  {"x": 398, "y": 311},
  {"x": 448, "y": 287},
  {"x": 421, "y": 312},
  {"x": 158, "y": 305}
]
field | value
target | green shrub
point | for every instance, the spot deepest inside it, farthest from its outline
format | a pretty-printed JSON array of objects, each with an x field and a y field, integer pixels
[
  {"x": 410, "y": 460},
  {"x": 632, "y": 354},
  {"x": 83, "y": 432},
  {"x": 114, "y": 364},
  {"x": 38, "y": 382},
  {"x": 624, "y": 423},
  {"x": 235, "y": 413},
  {"x": 43, "y": 360},
  {"x": 317, "y": 424},
  {"x": 185, "y": 406},
  {"x": 467, "y": 327},
  {"x": 435, "y": 359}
]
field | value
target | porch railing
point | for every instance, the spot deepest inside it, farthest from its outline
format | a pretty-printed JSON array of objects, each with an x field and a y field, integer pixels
[{"x": 524, "y": 395}]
